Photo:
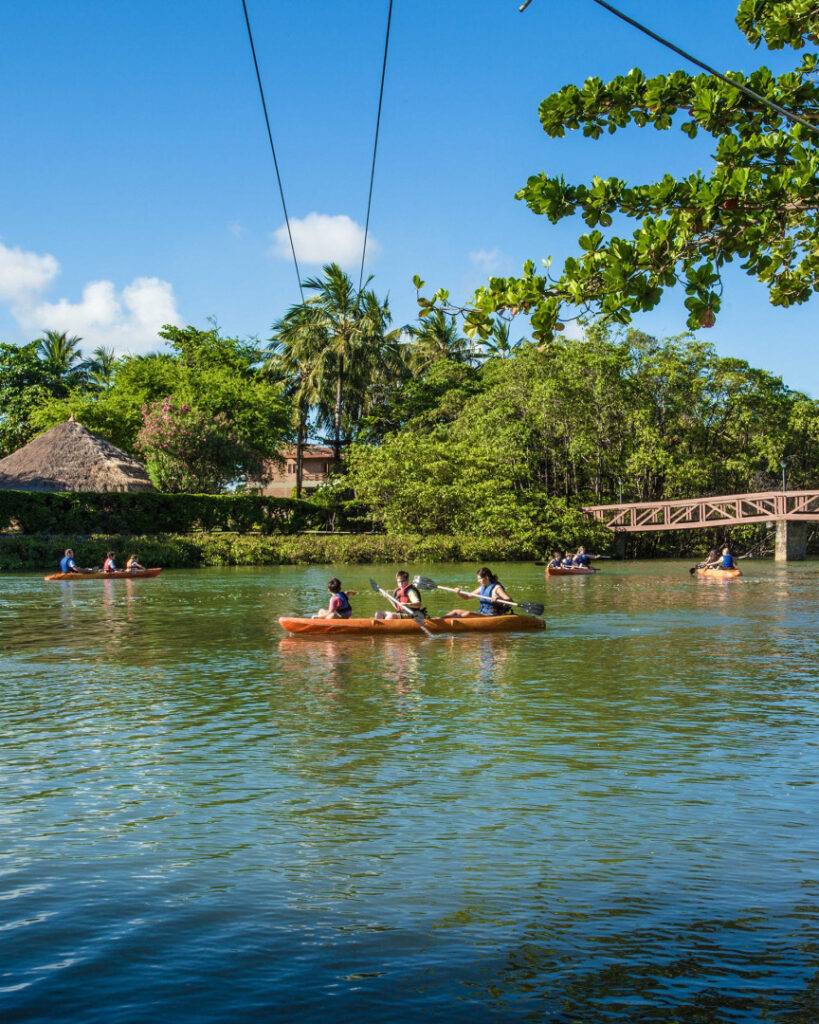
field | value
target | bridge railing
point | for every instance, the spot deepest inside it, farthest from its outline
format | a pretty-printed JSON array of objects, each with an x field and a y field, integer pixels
[{"x": 701, "y": 513}]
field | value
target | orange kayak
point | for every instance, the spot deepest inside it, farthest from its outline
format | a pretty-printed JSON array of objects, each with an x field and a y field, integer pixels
[
  {"x": 119, "y": 574},
  {"x": 393, "y": 627},
  {"x": 578, "y": 571},
  {"x": 719, "y": 574}
]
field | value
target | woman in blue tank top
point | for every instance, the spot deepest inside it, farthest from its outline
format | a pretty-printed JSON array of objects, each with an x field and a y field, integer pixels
[{"x": 490, "y": 591}]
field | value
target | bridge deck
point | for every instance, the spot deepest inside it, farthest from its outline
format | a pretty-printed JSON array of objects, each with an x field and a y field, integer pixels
[{"x": 703, "y": 513}]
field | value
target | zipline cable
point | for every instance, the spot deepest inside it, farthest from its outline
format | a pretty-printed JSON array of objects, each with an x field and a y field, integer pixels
[
  {"x": 375, "y": 144},
  {"x": 789, "y": 115},
  {"x": 273, "y": 149}
]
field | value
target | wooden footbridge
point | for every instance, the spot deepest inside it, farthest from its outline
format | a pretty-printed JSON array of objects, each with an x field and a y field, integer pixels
[{"x": 791, "y": 511}]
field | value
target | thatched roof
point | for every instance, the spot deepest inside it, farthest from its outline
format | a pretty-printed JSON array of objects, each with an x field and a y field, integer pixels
[{"x": 70, "y": 458}]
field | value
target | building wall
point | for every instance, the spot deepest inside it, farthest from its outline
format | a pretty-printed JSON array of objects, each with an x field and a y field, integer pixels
[{"x": 281, "y": 482}]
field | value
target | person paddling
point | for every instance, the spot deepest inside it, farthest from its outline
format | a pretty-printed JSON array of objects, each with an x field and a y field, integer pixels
[
  {"x": 727, "y": 559},
  {"x": 489, "y": 591},
  {"x": 556, "y": 562},
  {"x": 582, "y": 559},
  {"x": 339, "y": 607},
  {"x": 712, "y": 559},
  {"x": 406, "y": 594},
  {"x": 132, "y": 565},
  {"x": 109, "y": 565},
  {"x": 67, "y": 563},
  {"x": 568, "y": 561}
]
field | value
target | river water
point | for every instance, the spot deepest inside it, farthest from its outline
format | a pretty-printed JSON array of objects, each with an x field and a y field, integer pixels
[{"x": 203, "y": 820}]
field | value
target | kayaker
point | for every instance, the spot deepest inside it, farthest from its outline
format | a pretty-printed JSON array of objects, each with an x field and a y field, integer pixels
[
  {"x": 712, "y": 560},
  {"x": 490, "y": 589},
  {"x": 582, "y": 559},
  {"x": 340, "y": 607},
  {"x": 727, "y": 559},
  {"x": 109, "y": 565},
  {"x": 407, "y": 594},
  {"x": 556, "y": 562},
  {"x": 568, "y": 561},
  {"x": 67, "y": 563},
  {"x": 132, "y": 565}
]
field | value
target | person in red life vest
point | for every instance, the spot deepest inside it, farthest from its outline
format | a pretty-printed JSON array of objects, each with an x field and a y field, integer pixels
[
  {"x": 109, "y": 565},
  {"x": 405, "y": 594},
  {"x": 339, "y": 607}
]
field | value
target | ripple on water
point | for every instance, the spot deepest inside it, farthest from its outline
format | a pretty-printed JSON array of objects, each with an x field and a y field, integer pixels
[{"x": 613, "y": 820}]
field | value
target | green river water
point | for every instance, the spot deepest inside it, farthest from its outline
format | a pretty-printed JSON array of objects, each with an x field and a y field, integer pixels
[{"x": 615, "y": 819}]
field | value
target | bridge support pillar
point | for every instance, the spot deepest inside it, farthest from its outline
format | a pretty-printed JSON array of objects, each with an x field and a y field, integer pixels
[
  {"x": 619, "y": 545},
  {"x": 791, "y": 541}
]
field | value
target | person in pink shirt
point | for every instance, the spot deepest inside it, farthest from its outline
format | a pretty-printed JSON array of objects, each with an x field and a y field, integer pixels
[
  {"x": 339, "y": 607},
  {"x": 109, "y": 565}
]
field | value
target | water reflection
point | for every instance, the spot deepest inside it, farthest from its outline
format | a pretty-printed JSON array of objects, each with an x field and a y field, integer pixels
[{"x": 613, "y": 820}]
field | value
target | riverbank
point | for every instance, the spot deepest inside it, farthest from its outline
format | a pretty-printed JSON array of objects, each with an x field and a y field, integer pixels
[{"x": 188, "y": 551}]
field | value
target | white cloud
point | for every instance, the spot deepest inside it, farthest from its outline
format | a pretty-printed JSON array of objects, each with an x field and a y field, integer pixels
[
  {"x": 23, "y": 274},
  {"x": 127, "y": 321},
  {"x": 486, "y": 261},
  {"x": 321, "y": 238},
  {"x": 574, "y": 331}
]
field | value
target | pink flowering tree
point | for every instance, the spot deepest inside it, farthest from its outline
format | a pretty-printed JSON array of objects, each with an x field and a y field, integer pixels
[{"x": 189, "y": 451}]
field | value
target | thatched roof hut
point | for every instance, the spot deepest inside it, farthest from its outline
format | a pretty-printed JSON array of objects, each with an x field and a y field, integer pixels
[{"x": 70, "y": 458}]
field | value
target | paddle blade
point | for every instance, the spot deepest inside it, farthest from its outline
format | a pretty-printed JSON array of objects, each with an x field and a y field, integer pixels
[
  {"x": 531, "y": 607},
  {"x": 375, "y": 586},
  {"x": 424, "y": 583}
]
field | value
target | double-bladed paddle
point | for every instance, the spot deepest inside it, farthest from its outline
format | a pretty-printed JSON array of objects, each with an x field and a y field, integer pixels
[
  {"x": 413, "y": 614},
  {"x": 425, "y": 583}
]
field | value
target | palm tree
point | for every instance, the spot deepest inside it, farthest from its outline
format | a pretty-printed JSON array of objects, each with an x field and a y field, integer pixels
[
  {"x": 59, "y": 353},
  {"x": 295, "y": 356},
  {"x": 100, "y": 368},
  {"x": 343, "y": 335},
  {"x": 437, "y": 337},
  {"x": 377, "y": 366},
  {"x": 498, "y": 344}
]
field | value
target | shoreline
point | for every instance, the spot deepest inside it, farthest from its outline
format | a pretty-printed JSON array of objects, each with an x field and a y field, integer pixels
[{"x": 35, "y": 552}]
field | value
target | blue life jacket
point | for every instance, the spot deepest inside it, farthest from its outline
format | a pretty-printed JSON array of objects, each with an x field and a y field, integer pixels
[
  {"x": 555, "y": 563},
  {"x": 568, "y": 563},
  {"x": 488, "y": 607},
  {"x": 728, "y": 562},
  {"x": 67, "y": 564},
  {"x": 346, "y": 608},
  {"x": 582, "y": 560}
]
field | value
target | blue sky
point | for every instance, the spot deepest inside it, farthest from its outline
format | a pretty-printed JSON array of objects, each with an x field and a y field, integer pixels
[{"x": 136, "y": 183}]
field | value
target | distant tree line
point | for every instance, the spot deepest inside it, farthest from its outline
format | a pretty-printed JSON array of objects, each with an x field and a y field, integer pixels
[{"x": 439, "y": 434}]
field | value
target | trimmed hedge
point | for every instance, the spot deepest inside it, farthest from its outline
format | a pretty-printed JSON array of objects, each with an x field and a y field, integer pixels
[
  {"x": 192, "y": 551},
  {"x": 126, "y": 514}
]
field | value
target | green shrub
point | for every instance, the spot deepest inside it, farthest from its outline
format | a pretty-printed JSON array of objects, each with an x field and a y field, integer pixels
[
  {"x": 152, "y": 513},
  {"x": 172, "y": 551}
]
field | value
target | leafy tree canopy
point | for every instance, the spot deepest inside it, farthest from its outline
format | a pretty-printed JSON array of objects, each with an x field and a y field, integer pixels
[
  {"x": 25, "y": 382},
  {"x": 529, "y": 438},
  {"x": 209, "y": 373},
  {"x": 758, "y": 204}
]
